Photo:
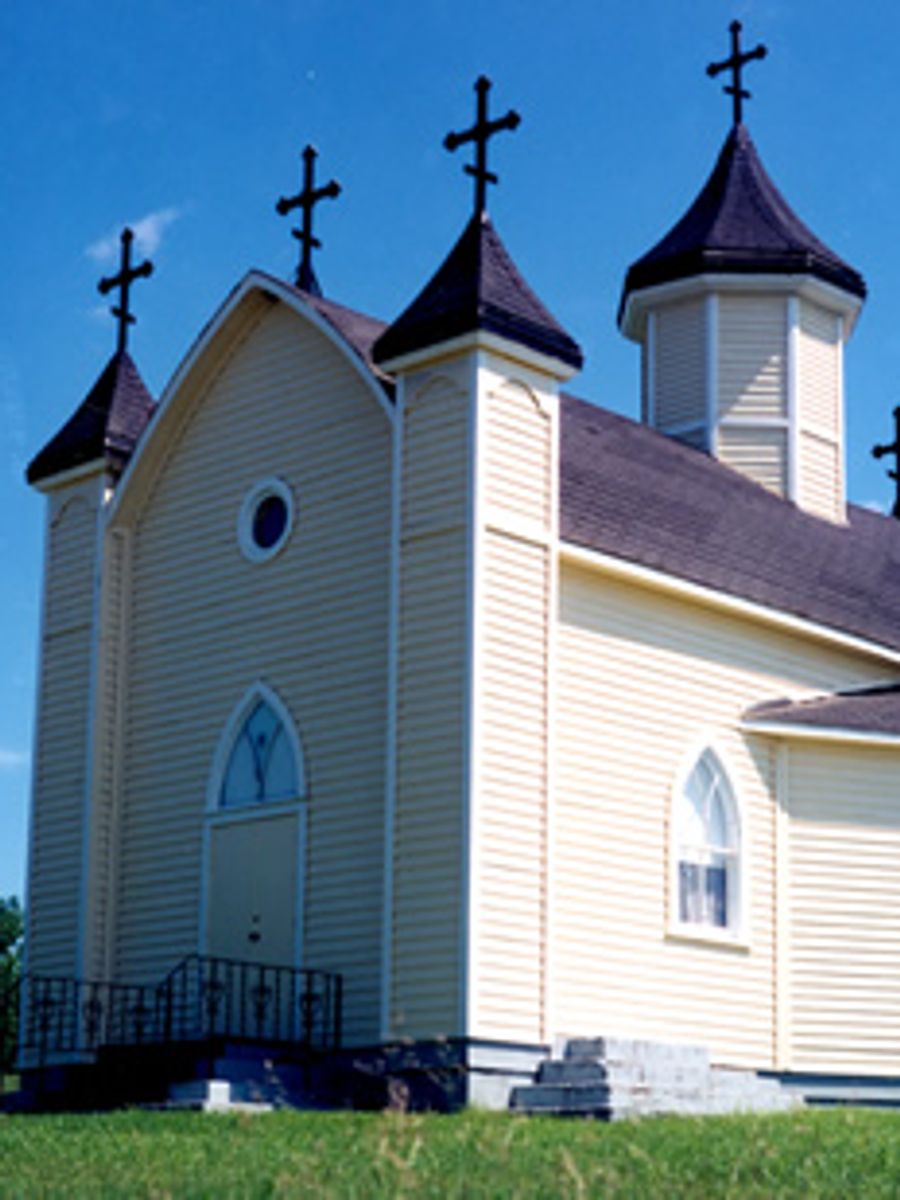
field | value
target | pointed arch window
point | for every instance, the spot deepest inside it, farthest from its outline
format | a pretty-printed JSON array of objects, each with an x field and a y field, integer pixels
[
  {"x": 264, "y": 763},
  {"x": 707, "y": 849}
]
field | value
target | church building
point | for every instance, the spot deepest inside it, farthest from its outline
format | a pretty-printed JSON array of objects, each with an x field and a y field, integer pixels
[{"x": 477, "y": 715}]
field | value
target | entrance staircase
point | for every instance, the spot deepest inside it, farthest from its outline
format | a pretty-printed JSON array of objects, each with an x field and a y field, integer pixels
[{"x": 612, "y": 1078}]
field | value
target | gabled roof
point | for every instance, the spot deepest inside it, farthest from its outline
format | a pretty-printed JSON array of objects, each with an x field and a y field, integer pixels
[
  {"x": 866, "y": 710},
  {"x": 635, "y": 494},
  {"x": 477, "y": 287},
  {"x": 741, "y": 224},
  {"x": 359, "y": 331},
  {"x": 107, "y": 423}
]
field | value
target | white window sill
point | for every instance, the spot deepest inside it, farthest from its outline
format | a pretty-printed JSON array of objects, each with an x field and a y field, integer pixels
[{"x": 699, "y": 935}]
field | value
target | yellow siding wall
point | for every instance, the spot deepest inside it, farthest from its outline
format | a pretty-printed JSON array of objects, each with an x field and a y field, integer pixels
[
  {"x": 679, "y": 368},
  {"x": 509, "y": 803},
  {"x": 107, "y": 755},
  {"x": 312, "y": 623},
  {"x": 60, "y": 769},
  {"x": 426, "y": 910},
  {"x": 845, "y": 895},
  {"x": 645, "y": 680}
]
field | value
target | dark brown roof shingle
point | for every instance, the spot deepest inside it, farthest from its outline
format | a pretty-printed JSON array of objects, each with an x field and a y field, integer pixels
[
  {"x": 477, "y": 287},
  {"x": 867, "y": 710},
  {"x": 107, "y": 423},
  {"x": 740, "y": 223},
  {"x": 633, "y": 493}
]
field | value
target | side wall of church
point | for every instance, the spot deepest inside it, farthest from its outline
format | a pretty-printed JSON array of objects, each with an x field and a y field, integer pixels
[
  {"x": 844, "y": 872},
  {"x": 427, "y": 915},
  {"x": 311, "y": 623},
  {"x": 646, "y": 681},
  {"x": 515, "y": 594},
  {"x": 63, "y": 723}
]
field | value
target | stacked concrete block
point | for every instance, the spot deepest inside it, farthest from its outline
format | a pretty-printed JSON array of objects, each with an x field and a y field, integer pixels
[{"x": 612, "y": 1078}]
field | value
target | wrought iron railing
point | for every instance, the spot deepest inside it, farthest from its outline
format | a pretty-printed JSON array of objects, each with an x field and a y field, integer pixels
[{"x": 201, "y": 998}]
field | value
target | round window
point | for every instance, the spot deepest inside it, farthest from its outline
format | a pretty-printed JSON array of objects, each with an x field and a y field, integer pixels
[{"x": 265, "y": 520}]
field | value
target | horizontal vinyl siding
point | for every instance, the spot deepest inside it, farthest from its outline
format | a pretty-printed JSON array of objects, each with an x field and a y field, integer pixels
[
  {"x": 311, "y": 623},
  {"x": 759, "y": 453},
  {"x": 61, "y": 748},
  {"x": 680, "y": 365},
  {"x": 431, "y": 699},
  {"x": 510, "y": 804},
  {"x": 518, "y": 472},
  {"x": 107, "y": 756},
  {"x": 752, "y": 343},
  {"x": 644, "y": 683},
  {"x": 845, "y": 896}
]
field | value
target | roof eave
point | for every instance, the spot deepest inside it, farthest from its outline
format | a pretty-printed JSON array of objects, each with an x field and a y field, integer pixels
[{"x": 636, "y": 304}]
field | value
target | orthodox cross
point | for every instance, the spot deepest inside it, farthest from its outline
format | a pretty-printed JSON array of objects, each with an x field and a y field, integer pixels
[
  {"x": 307, "y": 199},
  {"x": 479, "y": 134},
  {"x": 735, "y": 64},
  {"x": 894, "y": 448},
  {"x": 127, "y": 274}
]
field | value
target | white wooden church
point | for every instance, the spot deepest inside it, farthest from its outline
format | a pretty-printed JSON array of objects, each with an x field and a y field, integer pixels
[{"x": 371, "y": 650}]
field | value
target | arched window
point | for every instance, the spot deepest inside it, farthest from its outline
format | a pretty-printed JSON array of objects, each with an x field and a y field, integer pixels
[
  {"x": 264, "y": 762},
  {"x": 707, "y": 849}
]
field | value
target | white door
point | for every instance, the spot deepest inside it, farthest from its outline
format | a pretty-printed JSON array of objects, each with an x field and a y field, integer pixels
[{"x": 253, "y": 890}]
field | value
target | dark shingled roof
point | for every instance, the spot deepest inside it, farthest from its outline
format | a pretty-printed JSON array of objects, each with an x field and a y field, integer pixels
[
  {"x": 868, "y": 710},
  {"x": 359, "y": 331},
  {"x": 740, "y": 224},
  {"x": 478, "y": 286},
  {"x": 631, "y": 492},
  {"x": 107, "y": 423}
]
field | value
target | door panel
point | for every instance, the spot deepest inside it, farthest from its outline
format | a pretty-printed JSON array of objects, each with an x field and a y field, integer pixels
[{"x": 252, "y": 905}]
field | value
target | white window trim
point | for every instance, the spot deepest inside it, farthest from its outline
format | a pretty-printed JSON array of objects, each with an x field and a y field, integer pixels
[
  {"x": 257, "y": 692},
  {"x": 736, "y": 935},
  {"x": 272, "y": 486}
]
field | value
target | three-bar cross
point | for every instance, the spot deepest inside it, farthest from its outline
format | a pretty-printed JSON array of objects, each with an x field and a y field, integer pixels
[
  {"x": 127, "y": 274},
  {"x": 735, "y": 64},
  {"x": 893, "y": 448},
  {"x": 307, "y": 199},
  {"x": 481, "y": 131}
]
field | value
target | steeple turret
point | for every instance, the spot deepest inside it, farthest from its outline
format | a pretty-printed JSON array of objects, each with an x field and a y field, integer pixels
[{"x": 742, "y": 313}]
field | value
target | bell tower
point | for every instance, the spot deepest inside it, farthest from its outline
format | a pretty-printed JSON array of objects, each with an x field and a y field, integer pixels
[{"x": 742, "y": 313}]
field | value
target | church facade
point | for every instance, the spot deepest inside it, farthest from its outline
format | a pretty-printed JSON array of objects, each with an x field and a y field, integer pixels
[{"x": 371, "y": 649}]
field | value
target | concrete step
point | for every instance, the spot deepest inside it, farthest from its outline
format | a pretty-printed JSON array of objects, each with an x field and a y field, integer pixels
[
  {"x": 212, "y": 1095},
  {"x": 635, "y": 1051}
]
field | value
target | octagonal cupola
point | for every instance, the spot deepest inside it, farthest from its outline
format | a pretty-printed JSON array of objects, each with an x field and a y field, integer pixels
[{"x": 741, "y": 313}]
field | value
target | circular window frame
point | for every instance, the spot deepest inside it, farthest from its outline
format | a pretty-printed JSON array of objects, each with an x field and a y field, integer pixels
[{"x": 259, "y": 493}]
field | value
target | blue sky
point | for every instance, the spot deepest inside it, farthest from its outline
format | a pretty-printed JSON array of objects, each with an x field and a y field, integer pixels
[{"x": 186, "y": 120}]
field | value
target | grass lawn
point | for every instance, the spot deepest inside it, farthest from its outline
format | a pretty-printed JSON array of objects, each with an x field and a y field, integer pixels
[{"x": 838, "y": 1153}]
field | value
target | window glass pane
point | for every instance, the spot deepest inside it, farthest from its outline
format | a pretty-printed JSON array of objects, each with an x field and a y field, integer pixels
[
  {"x": 281, "y": 771},
  {"x": 240, "y": 786},
  {"x": 262, "y": 765},
  {"x": 707, "y": 846},
  {"x": 716, "y": 907},
  {"x": 717, "y": 822}
]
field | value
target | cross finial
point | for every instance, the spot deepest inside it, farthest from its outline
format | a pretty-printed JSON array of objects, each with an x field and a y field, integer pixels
[
  {"x": 127, "y": 273},
  {"x": 480, "y": 132},
  {"x": 893, "y": 448},
  {"x": 735, "y": 64},
  {"x": 307, "y": 199}
]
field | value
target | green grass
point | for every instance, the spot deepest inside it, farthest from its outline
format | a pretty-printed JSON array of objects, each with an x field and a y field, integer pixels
[{"x": 839, "y": 1153}]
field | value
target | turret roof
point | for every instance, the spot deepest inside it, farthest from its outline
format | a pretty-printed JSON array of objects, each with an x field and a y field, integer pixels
[
  {"x": 740, "y": 224},
  {"x": 107, "y": 423},
  {"x": 477, "y": 287}
]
